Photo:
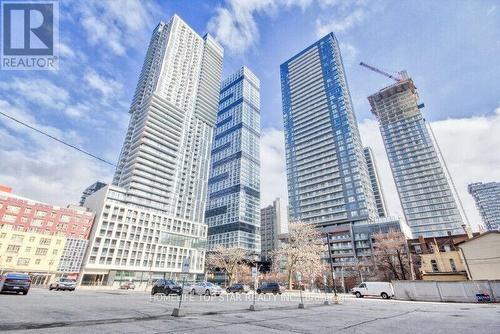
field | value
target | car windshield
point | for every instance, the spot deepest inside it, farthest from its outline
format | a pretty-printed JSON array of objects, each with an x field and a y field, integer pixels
[{"x": 66, "y": 280}]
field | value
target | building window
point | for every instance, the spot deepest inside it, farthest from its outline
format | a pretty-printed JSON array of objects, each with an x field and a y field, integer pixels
[
  {"x": 453, "y": 266},
  {"x": 37, "y": 261},
  {"x": 13, "y": 208},
  {"x": 45, "y": 241},
  {"x": 13, "y": 249},
  {"x": 23, "y": 261},
  {"x": 9, "y": 218},
  {"x": 32, "y": 239},
  {"x": 434, "y": 266},
  {"x": 41, "y": 251}
]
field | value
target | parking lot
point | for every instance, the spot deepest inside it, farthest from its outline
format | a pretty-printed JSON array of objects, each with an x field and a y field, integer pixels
[{"x": 116, "y": 311}]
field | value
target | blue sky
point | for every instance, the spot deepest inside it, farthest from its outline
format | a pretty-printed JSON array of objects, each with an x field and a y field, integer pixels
[{"x": 450, "y": 48}]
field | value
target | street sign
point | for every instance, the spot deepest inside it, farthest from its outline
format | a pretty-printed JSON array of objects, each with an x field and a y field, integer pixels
[
  {"x": 254, "y": 272},
  {"x": 185, "y": 265}
]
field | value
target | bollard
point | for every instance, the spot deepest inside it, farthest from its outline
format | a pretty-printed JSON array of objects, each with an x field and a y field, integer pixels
[{"x": 177, "y": 312}]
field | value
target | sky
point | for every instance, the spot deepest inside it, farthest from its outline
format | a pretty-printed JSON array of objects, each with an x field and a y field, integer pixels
[{"x": 450, "y": 48}]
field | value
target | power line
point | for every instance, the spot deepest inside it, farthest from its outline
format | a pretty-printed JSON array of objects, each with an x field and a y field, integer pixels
[{"x": 57, "y": 139}]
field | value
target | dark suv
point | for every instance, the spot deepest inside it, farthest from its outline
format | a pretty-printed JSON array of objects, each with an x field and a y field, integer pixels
[
  {"x": 167, "y": 287},
  {"x": 15, "y": 282},
  {"x": 270, "y": 287},
  {"x": 238, "y": 287}
]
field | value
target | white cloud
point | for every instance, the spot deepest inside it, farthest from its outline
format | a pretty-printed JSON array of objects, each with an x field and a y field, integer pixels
[
  {"x": 38, "y": 168},
  {"x": 235, "y": 26},
  {"x": 272, "y": 166},
  {"x": 342, "y": 24},
  {"x": 106, "y": 86},
  {"x": 38, "y": 91},
  {"x": 116, "y": 25},
  {"x": 349, "y": 53}
]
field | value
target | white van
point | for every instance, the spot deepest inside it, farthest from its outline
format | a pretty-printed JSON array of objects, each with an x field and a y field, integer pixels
[{"x": 382, "y": 289}]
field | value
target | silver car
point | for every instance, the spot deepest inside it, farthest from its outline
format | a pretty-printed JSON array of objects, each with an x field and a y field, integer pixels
[
  {"x": 63, "y": 284},
  {"x": 206, "y": 288}
]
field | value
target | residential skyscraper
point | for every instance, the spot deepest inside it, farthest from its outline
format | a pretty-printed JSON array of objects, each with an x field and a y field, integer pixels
[
  {"x": 232, "y": 214},
  {"x": 328, "y": 180},
  {"x": 487, "y": 197},
  {"x": 375, "y": 182},
  {"x": 152, "y": 217},
  {"x": 273, "y": 222},
  {"x": 429, "y": 205}
]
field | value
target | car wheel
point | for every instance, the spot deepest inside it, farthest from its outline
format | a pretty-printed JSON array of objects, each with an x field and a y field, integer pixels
[
  {"x": 50, "y": 288},
  {"x": 228, "y": 290},
  {"x": 275, "y": 293},
  {"x": 358, "y": 294},
  {"x": 207, "y": 292},
  {"x": 167, "y": 291},
  {"x": 384, "y": 295},
  {"x": 259, "y": 291},
  {"x": 25, "y": 293},
  {"x": 153, "y": 292}
]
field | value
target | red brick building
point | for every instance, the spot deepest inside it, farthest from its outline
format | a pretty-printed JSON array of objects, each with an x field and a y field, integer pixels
[{"x": 31, "y": 216}]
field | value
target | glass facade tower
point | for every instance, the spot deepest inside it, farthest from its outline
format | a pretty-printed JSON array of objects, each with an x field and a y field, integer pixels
[
  {"x": 233, "y": 210},
  {"x": 487, "y": 197},
  {"x": 328, "y": 180},
  {"x": 429, "y": 205},
  {"x": 375, "y": 182}
]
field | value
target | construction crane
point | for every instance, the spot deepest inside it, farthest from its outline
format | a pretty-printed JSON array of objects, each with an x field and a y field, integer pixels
[{"x": 374, "y": 69}]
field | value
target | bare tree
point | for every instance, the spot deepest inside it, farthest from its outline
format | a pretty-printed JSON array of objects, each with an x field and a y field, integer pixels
[
  {"x": 227, "y": 259},
  {"x": 301, "y": 251},
  {"x": 390, "y": 256}
]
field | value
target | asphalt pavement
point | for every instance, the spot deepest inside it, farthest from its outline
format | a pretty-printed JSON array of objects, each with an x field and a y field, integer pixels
[{"x": 116, "y": 311}]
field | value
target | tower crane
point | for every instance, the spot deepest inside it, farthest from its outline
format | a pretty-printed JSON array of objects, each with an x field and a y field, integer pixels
[{"x": 398, "y": 78}]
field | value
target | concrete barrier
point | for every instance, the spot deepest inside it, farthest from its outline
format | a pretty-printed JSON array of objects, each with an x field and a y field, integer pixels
[{"x": 441, "y": 291}]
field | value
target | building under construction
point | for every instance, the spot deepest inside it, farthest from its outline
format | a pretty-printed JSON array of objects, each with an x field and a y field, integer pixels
[{"x": 425, "y": 189}]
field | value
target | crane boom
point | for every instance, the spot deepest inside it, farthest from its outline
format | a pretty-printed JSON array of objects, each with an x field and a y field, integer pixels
[{"x": 374, "y": 69}]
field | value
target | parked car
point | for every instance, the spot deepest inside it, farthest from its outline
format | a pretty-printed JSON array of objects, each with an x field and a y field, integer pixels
[
  {"x": 63, "y": 284},
  {"x": 127, "y": 285},
  {"x": 270, "y": 287},
  {"x": 167, "y": 287},
  {"x": 238, "y": 287},
  {"x": 206, "y": 288},
  {"x": 382, "y": 289},
  {"x": 15, "y": 282}
]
